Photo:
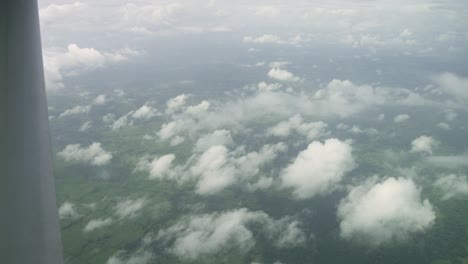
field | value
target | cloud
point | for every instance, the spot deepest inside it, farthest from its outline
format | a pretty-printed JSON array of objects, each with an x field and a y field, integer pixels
[
  {"x": 453, "y": 85},
  {"x": 295, "y": 123},
  {"x": 59, "y": 64},
  {"x": 423, "y": 144},
  {"x": 148, "y": 18},
  {"x": 318, "y": 169},
  {"x": 267, "y": 11},
  {"x": 217, "y": 168},
  {"x": 76, "y": 110},
  {"x": 176, "y": 103},
  {"x": 123, "y": 121},
  {"x": 455, "y": 161},
  {"x": 378, "y": 213},
  {"x": 452, "y": 186},
  {"x": 97, "y": 224},
  {"x": 202, "y": 235},
  {"x": 55, "y": 11},
  {"x": 100, "y": 100},
  {"x": 145, "y": 112},
  {"x": 140, "y": 257},
  {"x": 282, "y": 75},
  {"x": 129, "y": 208},
  {"x": 94, "y": 154},
  {"x": 67, "y": 211},
  {"x": 266, "y": 87},
  {"x": 158, "y": 167},
  {"x": 198, "y": 110},
  {"x": 444, "y": 126},
  {"x": 87, "y": 125},
  {"x": 214, "y": 170},
  {"x": 401, "y": 118},
  {"x": 273, "y": 39},
  {"x": 218, "y": 137}
]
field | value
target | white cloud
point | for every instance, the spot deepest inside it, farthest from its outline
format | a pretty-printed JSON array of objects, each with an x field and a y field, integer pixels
[
  {"x": 218, "y": 137},
  {"x": 217, "y": 168},
  {"x": 67, "y": 210},
  {"x": 76, "y": 110},
  {"x": 59, "y": 64},
  {"x": 452, "y": 186},
  {"x": 274, "y": 39},
  {"x": 214, "y": 170},
  {"x": 177, "y": 140},
  {"x": 145, "y": 112},
  {"x": 282, "y": 75},
  {"x": 295, "y": 123},
  {"x": 140, "y": 257},
  {"x": 150, "y": 17},
  {"x": 267, "y": 11},
  {"x": 87, "y": 125},
  {"x": 453, "y": 84},
  {"x": 100, "y": 100},
  {"x": 401, "y": 118},
  {"x": 97, "y": 224},
  {"x": 129, "y": 208},
  {"x": 318, "y": 169},
  {"x": 198, "y": 110},
  {"x": 123, "y": 121},
  {"x": 54, "y": 11},
  {"x": 423, "y": 144},
  {"x": 377, "y": 213},
  {"x": 201, "y": 235},
  {"x": 268, "y": 87},
  {"x": 158, "y": 167},
  {"x": 176, "y": 103},
  {"x": 94, "y": 154}
]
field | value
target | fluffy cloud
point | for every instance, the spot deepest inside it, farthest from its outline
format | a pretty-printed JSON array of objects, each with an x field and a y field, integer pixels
[
  {"x": 401, "y": 118},
  {"x": 94, "y": 154},
  {"x": 452, "y": 186},
  {"x": 129, "y": 208},
  {"x": 318, "y": 169},
  {"x": 273, "y": 39},
  {"x": 87, "y": 125},
  {"x": 145, "y": 112},
  {"x": 158, "y": 167},
  {"x": 453, "y": 84},
  {"x": 423, "y": 144},
  {"x": 282, "y": 75},
  {"x": 218, "y": 137},
  {"x": 76, "y": 110},
  {"x": 100, "y": 100},
  {"x": 217, "y": 168},
  {"x": 340, "y": 98},
  {"x": 202, "y": 235},
  {"x": 67, "y": 210},
  {"x": 176, "y": 103},
  {"x": 377, "y": 213},
  {"x": 295, "y": 123},
  {"x": 59, "y": 64},
  {"x": 214, "y": 170},
  {"x": 97, "y": 224},
  {"x": 123, "y": 121}
]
